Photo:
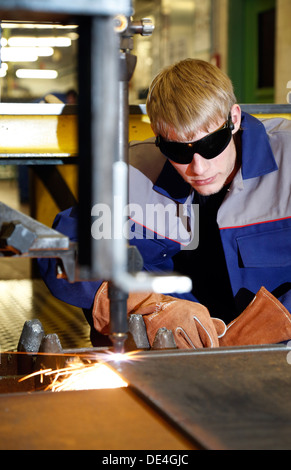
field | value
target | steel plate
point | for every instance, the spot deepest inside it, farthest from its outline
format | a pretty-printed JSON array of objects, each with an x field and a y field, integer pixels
[{"x": 237, "y": 398}]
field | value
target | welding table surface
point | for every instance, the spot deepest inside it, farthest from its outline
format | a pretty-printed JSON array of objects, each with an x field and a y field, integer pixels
[
  {"x": 112, "y": 419},
  {"x": 225, "y": 398}
]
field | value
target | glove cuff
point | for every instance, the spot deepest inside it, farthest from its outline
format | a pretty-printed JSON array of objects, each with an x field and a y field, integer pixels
[{"x": 264, "y": 321}]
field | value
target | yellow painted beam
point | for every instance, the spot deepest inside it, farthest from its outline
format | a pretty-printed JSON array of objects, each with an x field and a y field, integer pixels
[
  {"x": 44, "y": 135},
  {"x": 139, "y": 127},
  {"x": 269, "y": 116},
  {"x": 38, "y": 129},
  {"x": 50, "y": 130}
]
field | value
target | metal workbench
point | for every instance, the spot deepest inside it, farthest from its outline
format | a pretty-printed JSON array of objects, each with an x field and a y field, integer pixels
[{"x": 212, "y": 399}]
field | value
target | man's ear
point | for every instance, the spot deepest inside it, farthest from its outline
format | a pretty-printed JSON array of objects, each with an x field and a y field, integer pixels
[{"x": 236, "y": 117}]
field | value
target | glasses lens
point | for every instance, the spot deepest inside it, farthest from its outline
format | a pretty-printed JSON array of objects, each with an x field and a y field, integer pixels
[
  {"x": 176, "y": 151},
  {"x": 213, "y": 144},
  {"x": 208, "y": 147}
]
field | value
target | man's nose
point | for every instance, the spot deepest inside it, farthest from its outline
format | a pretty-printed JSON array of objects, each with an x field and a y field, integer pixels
[{"x": 199, "y": 165}]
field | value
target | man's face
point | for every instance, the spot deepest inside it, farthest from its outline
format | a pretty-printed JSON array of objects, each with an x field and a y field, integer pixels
[{"x": 209, "y": 176}]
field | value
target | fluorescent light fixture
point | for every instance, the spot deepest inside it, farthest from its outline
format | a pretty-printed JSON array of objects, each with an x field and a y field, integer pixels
[
  {"x": 9, "y": 25},
  {"x": 18, "y": 54},
  {"x": 44, "y": 51},
  {"x": 25, "y": 54},
  {"x": 19, "y": 41},
  {"x": 3, "y": 42},
  {"x": 36, "y": 73}
]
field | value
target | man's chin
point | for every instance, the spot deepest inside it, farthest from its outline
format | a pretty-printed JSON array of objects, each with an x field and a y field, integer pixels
[{"x": 208, "y": 190}]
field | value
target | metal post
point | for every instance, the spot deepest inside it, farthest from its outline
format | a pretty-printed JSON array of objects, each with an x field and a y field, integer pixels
[{"x": 98, "y": 136}]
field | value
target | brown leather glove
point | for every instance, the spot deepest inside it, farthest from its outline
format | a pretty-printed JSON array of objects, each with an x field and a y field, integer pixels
[
  {"x": 190, "y": 322},
  {"x": 264, "y": 321}
]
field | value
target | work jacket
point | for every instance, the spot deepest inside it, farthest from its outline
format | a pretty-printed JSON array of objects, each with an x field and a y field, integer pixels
[{"x": 254, "y": 218}]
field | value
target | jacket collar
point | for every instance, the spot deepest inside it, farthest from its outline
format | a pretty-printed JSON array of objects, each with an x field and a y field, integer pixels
[
  {"x": 257, "y": 160},
  {"x": 257, "y": 155},
  {"x": 171, "y": 184}
]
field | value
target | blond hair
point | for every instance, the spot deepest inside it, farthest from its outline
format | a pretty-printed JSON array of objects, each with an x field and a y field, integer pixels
[{"x": 188, "y": 97}]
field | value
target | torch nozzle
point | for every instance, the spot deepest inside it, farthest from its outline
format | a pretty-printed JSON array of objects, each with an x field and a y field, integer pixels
[{"x": 118, "y": 341}]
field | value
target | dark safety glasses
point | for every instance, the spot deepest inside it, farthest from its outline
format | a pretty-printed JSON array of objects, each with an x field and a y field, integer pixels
[{"x": 208, "y": 147}]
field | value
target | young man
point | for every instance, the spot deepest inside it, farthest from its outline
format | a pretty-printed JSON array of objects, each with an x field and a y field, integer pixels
[{"x": 237, "y": 169}]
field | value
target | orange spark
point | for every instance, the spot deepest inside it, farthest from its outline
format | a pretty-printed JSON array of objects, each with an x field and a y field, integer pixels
[{"x": 80, "y": 376}]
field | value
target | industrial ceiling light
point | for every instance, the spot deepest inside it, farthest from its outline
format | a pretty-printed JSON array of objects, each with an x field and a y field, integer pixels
[
  {"x": 36, "y": 73},
  {"x": 23, "y": 25},
  {"x": 18, "y": 54},
  {"x": 25, "y": 54},
  {"x": 19, "y": 41},
  {"x": 44, "y": 51}
]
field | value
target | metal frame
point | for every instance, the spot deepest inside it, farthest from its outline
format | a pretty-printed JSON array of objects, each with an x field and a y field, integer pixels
[{"x": 46, "y": 242}]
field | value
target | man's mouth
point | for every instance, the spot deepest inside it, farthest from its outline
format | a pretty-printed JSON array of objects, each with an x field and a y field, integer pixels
[{"x": 204, "y": 182}]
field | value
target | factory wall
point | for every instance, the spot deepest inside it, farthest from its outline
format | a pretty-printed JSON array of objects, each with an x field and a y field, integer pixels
[
  {"x": 226, "y": 32},
  {"x": 221, "y": 31}
]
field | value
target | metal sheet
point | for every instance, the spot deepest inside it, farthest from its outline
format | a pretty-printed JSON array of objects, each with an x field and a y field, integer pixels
[
  {"x": 89, "y": 419},
  {"x": 237, "y": 398},
  {"x": 94, "y": 419}
]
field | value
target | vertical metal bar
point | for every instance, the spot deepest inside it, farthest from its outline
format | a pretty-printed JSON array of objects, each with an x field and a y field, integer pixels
[
  {"x": 98, "y": 137},
  {"x": 120, "y": 170},
  {"x": 123, "y": 109}
]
